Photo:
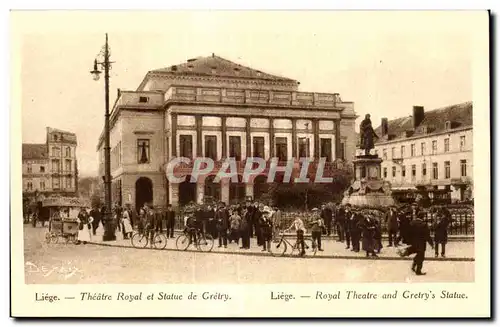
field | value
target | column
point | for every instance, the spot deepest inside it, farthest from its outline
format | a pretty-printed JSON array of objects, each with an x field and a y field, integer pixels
[
  {"x": 224, "y": 190},
  {"x": 271, "y": 138},
  {"x": 199, "y": 139},
  {"x": 224, "y": 137},
  {"x": 294, "y": 138},
  {"x": 173, "y": 134},
  {"x": 338, "y": 154},
  {"x": 200, "y": 190},
  {"x": 315, "y": 127},
  {"x": 248, "y": 137}
]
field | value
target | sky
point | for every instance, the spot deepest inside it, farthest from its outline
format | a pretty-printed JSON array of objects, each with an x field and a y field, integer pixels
[{"x": 385, "y": 62}]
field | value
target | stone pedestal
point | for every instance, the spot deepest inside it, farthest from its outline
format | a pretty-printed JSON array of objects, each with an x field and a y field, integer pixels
[{"x": 368, "y": 188}]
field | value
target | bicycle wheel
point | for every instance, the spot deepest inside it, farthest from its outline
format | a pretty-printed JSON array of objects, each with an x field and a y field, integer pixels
[
  {"x": 47, "y": 237},
  {"x": 182, "y": 242},
  {"x": 139, "y": 240},
  {"x": 278, "y": 249},
  {"x": 54, "y": 238},
  {"x": 205, "y": 243},
  {"x": 160, "y": 241}
]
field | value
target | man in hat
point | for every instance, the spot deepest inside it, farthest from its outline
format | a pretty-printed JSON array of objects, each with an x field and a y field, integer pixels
[
  {"x": 420, "y": 236},
  {"x": 222, "y": 224},
  {"x": 339, "y": 213},
  {"x": 170, "y": 221},
  {"x": 326, "y": 215},
  {"x": 348, "y": 217},
  {"x": 265, "y": 227},
  {"x": 391, "y": 219},
  {"x": 316, "y": 228}
]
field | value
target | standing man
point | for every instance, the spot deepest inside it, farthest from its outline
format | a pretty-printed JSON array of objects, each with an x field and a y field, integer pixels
[
  {"x": 265, "y": 227},
  {"x": 317, "y": 228},
  {"x": 276, "y": 221},
  {"x": 326, "y": 214},
  {"x": 391, "y": 219},
  {"x": 340, "y": 222},
  {"x": 348, "y": 217},
  {"x": 96, "y": 214},
  {"x": 355, "y": 230},
  {"x": 222, "y": 224},
  {"x": 257, "y": 215},
  {"x": 441, "y": 231},
  {"x": 170, "y": 221},
  {"x": 420, "y": 237},
  {"x": 159, "y": 217}
]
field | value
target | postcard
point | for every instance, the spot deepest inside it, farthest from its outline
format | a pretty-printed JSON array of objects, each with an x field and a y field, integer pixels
[{"x": 250, "y": 164}]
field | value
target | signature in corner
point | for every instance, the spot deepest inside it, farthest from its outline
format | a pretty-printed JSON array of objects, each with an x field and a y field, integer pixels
[{"x": 66, "y": 271}]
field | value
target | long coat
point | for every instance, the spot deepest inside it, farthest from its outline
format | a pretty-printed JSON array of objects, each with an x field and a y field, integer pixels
[
  {"x": 368, "y": 227},
  {"x": 391, "y": 219},
  {"x": 441, "y": 229},
  {"x": 420, "y": 235}
]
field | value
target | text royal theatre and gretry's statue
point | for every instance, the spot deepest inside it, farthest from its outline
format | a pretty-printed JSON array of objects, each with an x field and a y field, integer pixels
[{"x": 368, "y": 188}]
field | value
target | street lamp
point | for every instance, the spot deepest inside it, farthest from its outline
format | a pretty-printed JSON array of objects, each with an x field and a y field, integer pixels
[{"x": 109, "y": 224}]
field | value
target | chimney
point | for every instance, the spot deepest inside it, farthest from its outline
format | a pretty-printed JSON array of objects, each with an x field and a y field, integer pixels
[
  {"x": 384, "y": 125},
  {"x": 418, "y": 115}
]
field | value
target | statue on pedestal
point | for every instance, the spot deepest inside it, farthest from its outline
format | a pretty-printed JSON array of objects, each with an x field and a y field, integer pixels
[{"x": 367, "y": 134}]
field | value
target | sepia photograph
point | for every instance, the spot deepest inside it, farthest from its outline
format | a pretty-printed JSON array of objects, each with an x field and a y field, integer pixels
[{"x": 250, "y": 148}]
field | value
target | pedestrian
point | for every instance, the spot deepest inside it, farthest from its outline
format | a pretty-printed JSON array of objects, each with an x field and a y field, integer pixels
[
  {"x": 159, "y": 219},
  {"x": 368, "y": 227},
  {"x": 150, "y": 225},
  {"x": 348, "y": 217},
  {"x": 245, "y": 227},
  {"x": 235, "y": 223},
  {"x": 327, "y": 216},
  {"x": 127, "y": 222},
  {"x": 391, "y": 219},
  {"x": 420, "y": 236},
  {"x": 257, "y": 215},
  {"x": 276, "y": 219},
  {"x": 84, "y": 227},
  {"x": 265, "y": 227},
  {"x": 441, "y": 231},
  {"x": 222, "y": 225},
  {"x": 404, "y": 226},
  {"x": 170, "y": 221},
  {"x": 340, "y": 224},
  {"x": 300, "y": 229},
  {"x": 317, "y": 224},
  {"x": 355, "y": 230}
]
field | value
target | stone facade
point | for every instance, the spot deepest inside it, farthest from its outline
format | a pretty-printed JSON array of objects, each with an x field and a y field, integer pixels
[{"x": 228, "y": 111}]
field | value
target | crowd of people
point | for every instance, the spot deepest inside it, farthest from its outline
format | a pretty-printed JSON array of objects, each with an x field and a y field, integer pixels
[{"x": 406, "y": 226}]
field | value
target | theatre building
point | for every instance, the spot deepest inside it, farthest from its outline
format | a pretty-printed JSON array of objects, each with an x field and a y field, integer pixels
[
  {"x": 429, "y": 153},
  {"x": 212, "y": 107}
]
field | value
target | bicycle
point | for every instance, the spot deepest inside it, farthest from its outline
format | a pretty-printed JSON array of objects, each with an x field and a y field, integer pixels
[
  {"x": 282, "y": 244},
  {"x": 204, "y": 242},
  {"x": 141, "y": 240}
]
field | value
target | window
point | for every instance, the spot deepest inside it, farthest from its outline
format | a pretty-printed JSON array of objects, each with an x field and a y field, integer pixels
[
  {"x": 413, "y": 172},
  {"x": 211, "y": 147},
  {"x": 424, "y": 169},
  {"x": 235, "y": 147},
  {"x": 403, "y": 171},
  {"x": 258, "y": 146},
  {"x": 342, "y": 150},
  {"x": 326, "y": 149},
  {"x": 29, "y": 168},
  {"x": 142, "y": 151},
  {"x": 304, "y": 147},
  {"x": 385, "y": 172},
  {"x": 281, "y": 148},
  {"x": 186, "y": 146},
  {"x": 54, "y": 137},
  {"x": 402, "y": 151},
  {"x": 55, "y": 183},
  {"x": 434, "y": 147},
  {"x": 55, "y": 166},
  {"x": 42, "y": 169},
  {"x": 42, "y": 185},
  {"x": 462, "y": 143},
  {"x": 56, "y": 152},
  {"x": 435, "y": 174},
  {"x": 384, "y": 154},
  {"x": 446, "y": 145},
  {"x": 422, "y": 148},
  {"x": 29, "y": 186},
  {"x": 393, "y": 153},
  {"x": 143, "y": 99},
  {"x": 447, "y": 169},
  {"x": 412, "y": 150},
  {"x": 463, "y": 168},
  {"x": 68, "y": 182},
  {"x": 447, "y": 125},
  {"x": 393, "y": 171},
  {"x": 67, "y": 166},
  {"x": 68, "y": 152}
]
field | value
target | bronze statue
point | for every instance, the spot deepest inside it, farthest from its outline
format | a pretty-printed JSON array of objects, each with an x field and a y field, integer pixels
[{"x": 367, "y": 134}]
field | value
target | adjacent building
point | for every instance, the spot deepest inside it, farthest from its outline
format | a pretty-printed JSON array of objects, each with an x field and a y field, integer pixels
[
  {"x": 50, "y": 168},
  {"x": 429, "y": 152},
  {"x": 212, "y": 107}
]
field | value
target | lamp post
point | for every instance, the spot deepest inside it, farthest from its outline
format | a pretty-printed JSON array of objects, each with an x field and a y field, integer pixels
[{"x": 109, "y": 225}]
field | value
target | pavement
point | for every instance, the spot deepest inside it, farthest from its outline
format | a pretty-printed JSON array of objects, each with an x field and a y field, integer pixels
[
  {"x": 455, "y": 250},
  {"x": 114, "y": 264}
]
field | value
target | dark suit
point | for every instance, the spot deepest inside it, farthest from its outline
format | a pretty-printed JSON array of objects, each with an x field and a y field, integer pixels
[
  {"x": 340, "y": 223},
  {"x": 222, "y": 223},
  {"x": 441, "y": 232},
  {"x": 391, "y": 219},
  {"x": 170, "y": 222},
  {"x": 420, "y": 236},
  {"x": 326, "y": 214}
]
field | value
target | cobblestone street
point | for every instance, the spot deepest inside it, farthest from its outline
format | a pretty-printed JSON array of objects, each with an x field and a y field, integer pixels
[{"x": 94, "y": 263}]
